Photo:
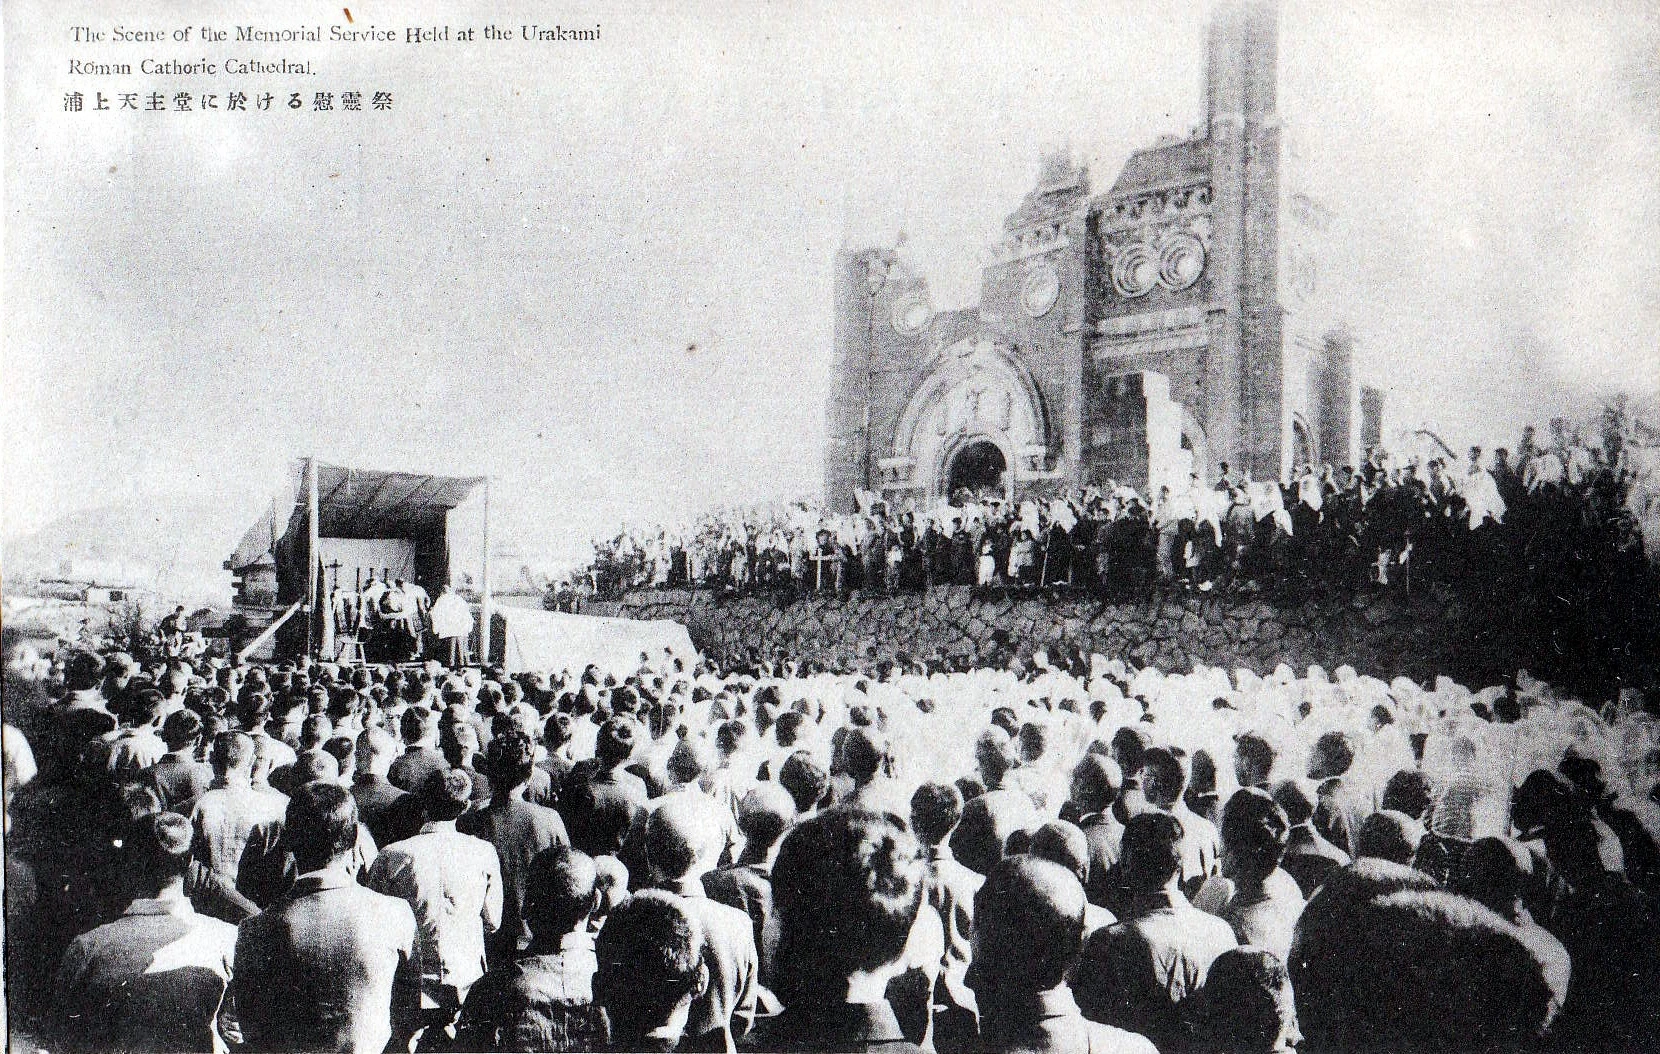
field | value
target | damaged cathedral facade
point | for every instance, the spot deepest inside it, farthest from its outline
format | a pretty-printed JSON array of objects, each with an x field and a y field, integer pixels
[{"x": 1141, "y": 336}]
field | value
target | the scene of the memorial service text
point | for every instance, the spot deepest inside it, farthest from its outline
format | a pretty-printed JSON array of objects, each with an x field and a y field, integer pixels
[{"x": 1084, "y": 528}]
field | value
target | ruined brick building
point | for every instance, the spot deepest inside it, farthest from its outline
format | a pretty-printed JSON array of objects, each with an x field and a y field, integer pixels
[{"x": 1141, "y": 334}]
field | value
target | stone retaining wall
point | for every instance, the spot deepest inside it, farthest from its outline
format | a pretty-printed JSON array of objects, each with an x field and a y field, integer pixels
[{"x": 1385, "y": 636}]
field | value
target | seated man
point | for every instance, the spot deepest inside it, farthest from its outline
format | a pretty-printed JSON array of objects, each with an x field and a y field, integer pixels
[
  {"x": 153, "y": 979},
  {"x": 542, "y": 999},
  {"x": 1028, "y": 930},
  {"x": 650, "y": 968},
  {"x": 330, "y": 966},
  {"x": 847, "y": 888},
  {"x": 1137, "y": 973}
]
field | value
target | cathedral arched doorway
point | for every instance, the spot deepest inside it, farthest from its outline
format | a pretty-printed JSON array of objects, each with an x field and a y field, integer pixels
[{"x": 977, "y": 471}]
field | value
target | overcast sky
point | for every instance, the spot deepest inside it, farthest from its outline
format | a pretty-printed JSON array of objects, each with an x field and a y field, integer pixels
[{"x": 505, "y": 273}]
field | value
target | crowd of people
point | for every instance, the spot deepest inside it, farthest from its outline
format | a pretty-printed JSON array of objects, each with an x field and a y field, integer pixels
[
  {"x": 1071, "y": 855},
  {"x": 1391, "y": 522}
]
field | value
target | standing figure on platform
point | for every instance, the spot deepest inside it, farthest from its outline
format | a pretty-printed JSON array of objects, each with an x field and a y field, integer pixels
[{"x": 451, "y": 621}]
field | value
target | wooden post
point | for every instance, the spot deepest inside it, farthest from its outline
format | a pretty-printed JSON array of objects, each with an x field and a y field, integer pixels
[
  {"x": 312, "y": 557},
  {"x": 484, "y": 595}
]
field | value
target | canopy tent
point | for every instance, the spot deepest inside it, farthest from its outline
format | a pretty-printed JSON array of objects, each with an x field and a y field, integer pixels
[{"x": 339, "y": 521}]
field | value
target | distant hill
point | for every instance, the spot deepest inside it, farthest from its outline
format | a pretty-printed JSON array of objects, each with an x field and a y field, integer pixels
[{"x": 177, "y": 551}]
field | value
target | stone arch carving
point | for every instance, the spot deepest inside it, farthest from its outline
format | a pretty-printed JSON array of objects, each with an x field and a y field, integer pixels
[{"x": 979, "y": 390}]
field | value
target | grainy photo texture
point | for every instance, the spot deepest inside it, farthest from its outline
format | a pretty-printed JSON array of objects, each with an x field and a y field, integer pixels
[{"x": 1091, "y": 526}]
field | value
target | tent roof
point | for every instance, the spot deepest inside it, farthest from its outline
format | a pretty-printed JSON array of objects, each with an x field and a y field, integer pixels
[
  {"x": 370, "y": 503},
  {"x": 357, "y": 503}
]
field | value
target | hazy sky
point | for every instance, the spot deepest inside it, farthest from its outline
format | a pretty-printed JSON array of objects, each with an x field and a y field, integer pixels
[{"x": 504, "y": 273}]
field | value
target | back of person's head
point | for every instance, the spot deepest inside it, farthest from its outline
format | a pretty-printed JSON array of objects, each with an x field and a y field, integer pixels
[
  {"x": 1298, "y": 796},
  {"x": 1395, "y": 966},
  {"x": 1333, "y": 981},
  {"x": 1389, "y": 835},
  {"x": 787, "y": 728},
  {"x": 804, "y": 779},
  {"x": 1028, "y": 929},
  {"x": 557, "y": 730},
  {"x": 315, "y": 765},
  {"x": 846, "y": 888},
  {"x": 320, "y": 825},
  {"x": 764, "y": 814},
  {"x": 988, "y": 822},
  {"x": 1152, "y": 851},
  {"x": 936, "y": 809},
  {"x": 1246, "y": 1006},
  {"x": 610, "y": 883},
  {"x": 731, "y": 737},
  {"x": 1408, "y": 791},
  {"x": 1332, "y": 755},
  {"x": 689, "y": 761},
  {"x": 182, "y": 730},
  {"x": 1254, "y": 759},
  {"x": 1544, "y": 800},
  {"x": 1096, "y": 783},
  {"x": 138, "y": 802},
  {"x": 417, "y": 724},
  {"x": 1033, "y": 741},
  {"x": 1494, "y": 872},
  {"x": 1129, "y": 745},
  {"x": 446, "y": 794},
  {"x": 559, "y": 891},
  {"x": 650, "y": 955},
  {"x": 376, "y": 751},
  {"x": 994, "y": 754},
  {"x": 1062, "y": 843},
  {"x": 313, "y": 730},
  {"x": 158, "y": 850},
  {"x": 683, "y": 839},
  {"x": 458, "y": 741},
  {"x": 1255, "y": 831},
  {"x": 864, "y": 751},
  {"x": 144, "y": 707},
  {"x": 83, "y": 670},
  {"x": 232, "y": 752},
  {"x": 509, "y": 760},
  {"x": 1163, "y": 777},
  {"x": 615, "y": 742}
]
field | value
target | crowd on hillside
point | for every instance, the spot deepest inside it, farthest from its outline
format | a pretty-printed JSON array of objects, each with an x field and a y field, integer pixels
[
  {"x": 1393, "y": 522},
  {"x": 1069, "y": 856}
]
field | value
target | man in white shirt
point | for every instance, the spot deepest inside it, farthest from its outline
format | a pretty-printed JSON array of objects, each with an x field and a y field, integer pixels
[{"x": 453, "y": 883}]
